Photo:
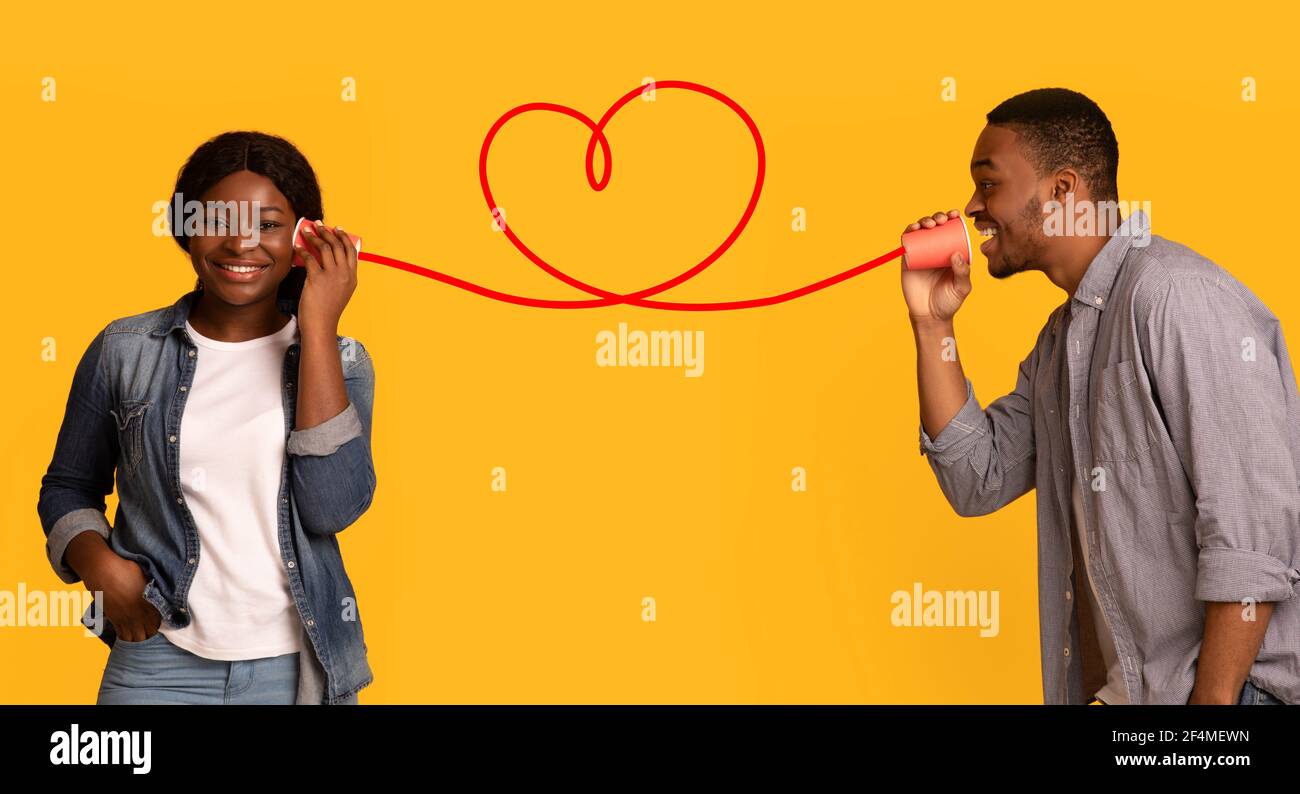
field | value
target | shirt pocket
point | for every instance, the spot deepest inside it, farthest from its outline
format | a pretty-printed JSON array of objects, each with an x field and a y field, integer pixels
[
  {"x": 130, "y": 432},
  {"x": 1119, "y": 428}
]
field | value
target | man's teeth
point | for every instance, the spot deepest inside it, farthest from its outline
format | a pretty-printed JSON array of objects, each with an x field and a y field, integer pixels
[{"x": 989, "y": 232}]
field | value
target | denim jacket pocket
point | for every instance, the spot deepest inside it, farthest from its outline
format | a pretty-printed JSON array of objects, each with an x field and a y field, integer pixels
[
  {"x": 130, "y": 431},
  {"x": 1119, "y": 430}
]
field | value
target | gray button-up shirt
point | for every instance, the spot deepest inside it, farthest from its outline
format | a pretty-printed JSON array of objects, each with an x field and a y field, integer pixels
[{"x": 1184, "y": 436}]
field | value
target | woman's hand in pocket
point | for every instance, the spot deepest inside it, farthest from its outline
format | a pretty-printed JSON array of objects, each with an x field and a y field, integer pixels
[{"x": 122, "y": 582}]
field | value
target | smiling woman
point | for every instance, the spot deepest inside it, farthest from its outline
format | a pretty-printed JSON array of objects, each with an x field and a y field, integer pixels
[{"x": 238, "y": 422}]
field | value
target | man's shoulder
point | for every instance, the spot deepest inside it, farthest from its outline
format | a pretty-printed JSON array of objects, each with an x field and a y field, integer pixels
[
  {"x": 1162, "y": 260},
  {"x": 1152, "y": 270}
]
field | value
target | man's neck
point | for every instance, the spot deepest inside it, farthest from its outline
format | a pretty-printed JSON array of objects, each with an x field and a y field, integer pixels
[{"x": 1073, "y": 255}]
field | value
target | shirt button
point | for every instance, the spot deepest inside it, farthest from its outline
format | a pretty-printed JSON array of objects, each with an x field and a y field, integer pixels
[
  {"x": 185, "y": 388},
  {"x": 1067, "y": 595},
  {"x": 289, "y": 384},
  {"x": 192, "y": 354},
  {"x": 284, "y": 500},
  {"x": 1097, "y": 300},
  {"x": 290, "y": 563},
  {"x": 1067, "y": 650},
  {"x": 191, "y": 560},
  {"x": 178, "y": 500},
  {"x": 171, "y": 439},
  {"x": 311, "y": 622}
]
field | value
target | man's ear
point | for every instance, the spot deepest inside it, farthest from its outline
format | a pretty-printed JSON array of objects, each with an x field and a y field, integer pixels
[{"x": 1064, "y": 182}]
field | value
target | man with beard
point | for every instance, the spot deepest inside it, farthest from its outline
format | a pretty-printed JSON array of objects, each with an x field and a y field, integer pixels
[{"x": 1156, "y": 414}]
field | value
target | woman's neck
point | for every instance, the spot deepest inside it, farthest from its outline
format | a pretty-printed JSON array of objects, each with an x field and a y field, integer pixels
[{"x": 225, "y": 322}]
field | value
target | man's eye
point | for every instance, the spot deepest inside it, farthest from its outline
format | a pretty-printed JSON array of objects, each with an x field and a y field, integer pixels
[{"x": 986, "y": 185}]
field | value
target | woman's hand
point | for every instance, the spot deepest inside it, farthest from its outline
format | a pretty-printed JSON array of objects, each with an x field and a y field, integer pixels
[
  {"x": 122, "y": 582},
  {"x": 331, "y": 279}
]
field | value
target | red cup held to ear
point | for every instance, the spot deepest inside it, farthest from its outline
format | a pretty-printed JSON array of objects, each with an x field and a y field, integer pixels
[
  {"x": 300, "y": 239},
  {"x": 932, "y": 248}
]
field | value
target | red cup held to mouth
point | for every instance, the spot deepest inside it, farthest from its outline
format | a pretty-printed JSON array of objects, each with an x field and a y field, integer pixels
[
  {"x": 928, "y": 249},
  {"x": 300, "y": 239}
]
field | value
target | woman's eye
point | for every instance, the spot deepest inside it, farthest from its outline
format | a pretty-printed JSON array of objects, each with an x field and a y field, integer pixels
[{"x": 271, "y": 224}]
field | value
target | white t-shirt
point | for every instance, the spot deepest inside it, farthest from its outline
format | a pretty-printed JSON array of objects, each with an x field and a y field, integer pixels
[
  {"x": 232, "y": 451},
  {"x": 1114, "y": 692}
]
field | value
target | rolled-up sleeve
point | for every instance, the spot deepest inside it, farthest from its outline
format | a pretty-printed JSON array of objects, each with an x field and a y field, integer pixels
[
  {"x": 1217, "y": 369},
  {"x": 332, "y": 470},
  {"x": 80, "y": 474},
  {"x": 984, "y": 457}
]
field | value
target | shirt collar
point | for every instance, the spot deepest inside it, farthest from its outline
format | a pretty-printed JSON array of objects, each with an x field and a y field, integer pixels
[
  {"x": 176, "y": 315},
  {"x": 1094, "y": 288}
]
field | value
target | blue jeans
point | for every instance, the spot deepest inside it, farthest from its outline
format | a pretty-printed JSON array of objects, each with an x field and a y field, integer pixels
[
  {"x": 154, "y": 670},
  {"x": 1252, "y": 695}
]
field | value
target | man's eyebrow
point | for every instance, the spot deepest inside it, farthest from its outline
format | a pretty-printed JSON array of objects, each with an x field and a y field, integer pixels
[{"x": 985, "y": 162}]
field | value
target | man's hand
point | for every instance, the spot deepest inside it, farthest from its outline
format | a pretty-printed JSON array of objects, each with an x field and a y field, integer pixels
[
  {"x": 936, "y": 294},
  {"x": 1228, "y": 649}
]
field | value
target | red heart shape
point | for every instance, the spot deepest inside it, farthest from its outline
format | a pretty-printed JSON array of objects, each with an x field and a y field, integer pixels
[{"x": 598, "y": 137}]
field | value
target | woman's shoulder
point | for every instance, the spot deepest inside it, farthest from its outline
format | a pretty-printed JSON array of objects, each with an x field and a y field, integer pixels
[
  {"x": 147, "y": 321},
  {"x": 353, "y": 352}
]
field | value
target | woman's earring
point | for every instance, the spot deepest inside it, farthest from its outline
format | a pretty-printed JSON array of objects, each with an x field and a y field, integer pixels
[{"x": 198, "y": 284}]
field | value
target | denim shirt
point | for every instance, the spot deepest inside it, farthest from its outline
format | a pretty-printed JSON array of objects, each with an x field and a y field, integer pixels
[
  {"x": 1181, "y": 428},
  {"x": 123, "y": 415}
]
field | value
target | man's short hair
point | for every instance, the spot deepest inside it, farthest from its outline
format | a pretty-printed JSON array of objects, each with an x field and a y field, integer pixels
[{"x": 1063, "y": 128}]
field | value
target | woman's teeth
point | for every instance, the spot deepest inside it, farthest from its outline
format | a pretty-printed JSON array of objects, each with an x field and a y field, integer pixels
[{"x": 242, "y": 268}]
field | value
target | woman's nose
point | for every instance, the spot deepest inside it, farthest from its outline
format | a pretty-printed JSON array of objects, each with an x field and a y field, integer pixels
[{"x": 239, "y": 240}]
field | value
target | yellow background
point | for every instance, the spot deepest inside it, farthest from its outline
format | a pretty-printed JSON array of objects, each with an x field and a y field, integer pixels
[{"x": 622, "y": 483}]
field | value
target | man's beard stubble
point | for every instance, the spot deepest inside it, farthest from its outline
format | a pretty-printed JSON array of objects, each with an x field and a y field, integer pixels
[{"x": 1031, "y": 220}]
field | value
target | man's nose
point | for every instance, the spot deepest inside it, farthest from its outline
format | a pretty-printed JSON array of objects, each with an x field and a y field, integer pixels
[{"x": 974, "y": 205}]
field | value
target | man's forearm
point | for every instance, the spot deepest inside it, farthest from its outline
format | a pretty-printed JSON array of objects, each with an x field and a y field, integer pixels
[
  {"x": 1228, "y": 649},
  {"x": 940, "y": 380}
]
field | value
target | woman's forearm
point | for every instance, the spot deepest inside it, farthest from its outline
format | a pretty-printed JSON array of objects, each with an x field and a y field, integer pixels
[
  {"x": 83, "y": 554},
  {"x": 321, "y": 393}
]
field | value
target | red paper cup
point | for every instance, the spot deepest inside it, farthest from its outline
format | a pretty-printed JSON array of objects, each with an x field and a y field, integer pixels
[
  {"x": 932, "y": 248},
  {"x": 299, "y": 239}
]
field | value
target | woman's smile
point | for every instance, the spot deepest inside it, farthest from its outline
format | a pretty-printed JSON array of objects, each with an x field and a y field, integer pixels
[{"x": 240, "y": 270}]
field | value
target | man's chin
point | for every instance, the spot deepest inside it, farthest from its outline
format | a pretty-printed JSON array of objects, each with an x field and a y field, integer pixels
[{"x": 1001, "y": 268}]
